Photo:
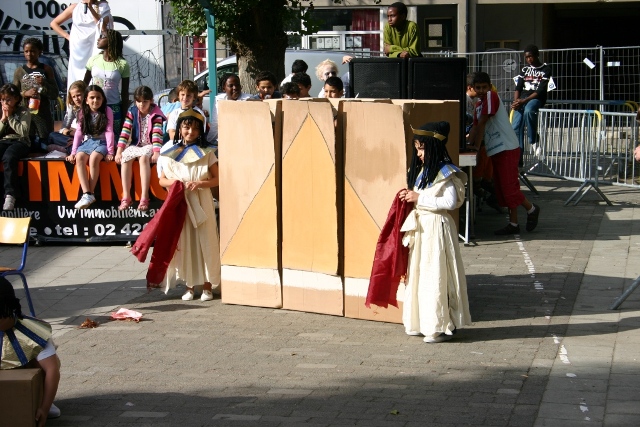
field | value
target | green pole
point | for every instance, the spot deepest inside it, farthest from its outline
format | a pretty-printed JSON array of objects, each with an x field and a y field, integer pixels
[
  {"x": 211, "y": 53},
  {"x": 211, "y": 59}
]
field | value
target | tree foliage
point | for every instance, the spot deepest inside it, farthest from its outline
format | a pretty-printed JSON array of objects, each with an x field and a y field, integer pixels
[{"x": 255, "y": 29}]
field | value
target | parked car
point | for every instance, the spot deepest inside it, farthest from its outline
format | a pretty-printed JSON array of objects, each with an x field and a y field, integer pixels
[
  {"x": 9, "y": 61},
  {"x": 229, "y": 65}
]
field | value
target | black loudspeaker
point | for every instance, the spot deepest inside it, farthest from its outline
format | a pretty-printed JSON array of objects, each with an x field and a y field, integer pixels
[
  {"x": 378, "y": 78},
  {"x": 440, "y": 78}
]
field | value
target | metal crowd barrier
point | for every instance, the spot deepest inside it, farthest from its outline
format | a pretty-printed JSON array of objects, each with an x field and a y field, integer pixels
[
  {"x": 569, "y": 148},
  {"x": 619, "y": 139}
]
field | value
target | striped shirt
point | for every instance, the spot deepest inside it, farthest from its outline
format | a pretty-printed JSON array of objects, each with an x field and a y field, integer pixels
[{"x": 156, "y": 131}]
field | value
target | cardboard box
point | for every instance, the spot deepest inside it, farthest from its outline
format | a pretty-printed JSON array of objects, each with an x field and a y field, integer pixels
[{"x": 20, "y": 396}]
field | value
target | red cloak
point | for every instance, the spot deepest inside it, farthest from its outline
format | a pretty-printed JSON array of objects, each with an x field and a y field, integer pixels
[{"x": 391, "y": 258}]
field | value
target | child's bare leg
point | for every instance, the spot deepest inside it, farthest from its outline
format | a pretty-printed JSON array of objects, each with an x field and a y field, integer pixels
[
  {"x": 81, "y": 170},
  {"x": 527, "y": 204},
  {"x": 94, "y": 169},
  {"x": 125, "y": 170},
  {"x": 51, "y": 368},
  {"x": 145, "y": 176}
]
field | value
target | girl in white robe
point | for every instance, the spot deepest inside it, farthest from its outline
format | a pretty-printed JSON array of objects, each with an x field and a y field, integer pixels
[
  {"x": 196, "y": 261},
  {"x": 435, "y": 302}
]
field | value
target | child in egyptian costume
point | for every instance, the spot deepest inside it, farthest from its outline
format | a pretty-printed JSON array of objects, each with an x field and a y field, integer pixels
[
  {"x": 435, "y": 301},
  {"x": 25, "y": 342},
  {"x": 185, "y": 230}
]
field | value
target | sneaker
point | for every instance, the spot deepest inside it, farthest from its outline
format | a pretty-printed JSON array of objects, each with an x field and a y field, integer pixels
[
  {"x": 188, "y": 296},
  {"x": 439, "y": 338},
  {"x": 9, "y": 203},
  {"x": 413, "y": 333},
  {"x": 532, "y": 218},
  {"x": 509, "y": 229},
  {"x": 206, "y": 296},
  {"x": 85, "y": 201},
  {"x": 54, "y": 412}
]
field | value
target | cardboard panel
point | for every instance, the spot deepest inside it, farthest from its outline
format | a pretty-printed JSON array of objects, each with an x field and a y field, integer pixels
[
  {"x": 419, "y": 112},
  {"x": 309, "y": 209},
  {"x": 248, "y": 203},
  {"x": 20, "y": 396},
  {"x": 375, "y": 170}
]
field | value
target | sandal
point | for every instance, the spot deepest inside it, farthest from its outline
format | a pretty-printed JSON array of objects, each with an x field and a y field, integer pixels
[
  {"x": 125, "y": 204},
  {"x": 144, "y": 205}
]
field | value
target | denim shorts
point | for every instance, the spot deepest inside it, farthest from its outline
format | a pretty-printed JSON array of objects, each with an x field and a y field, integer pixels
[{"x": 91, "y": 145}]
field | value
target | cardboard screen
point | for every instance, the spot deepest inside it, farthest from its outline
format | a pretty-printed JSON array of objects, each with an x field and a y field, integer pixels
[
  {"x": 309, "y": 209},
  {"x": 248, "y": 203}
]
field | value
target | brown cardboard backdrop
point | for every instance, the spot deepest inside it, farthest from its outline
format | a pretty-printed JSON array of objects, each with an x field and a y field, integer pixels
[
  {"x": 247, "y": 167},
  {"x": 309, "y": 213},
  {"x": 375, "y": 162}
]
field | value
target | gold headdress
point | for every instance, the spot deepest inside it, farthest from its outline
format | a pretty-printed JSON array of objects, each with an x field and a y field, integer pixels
[
  {"x": 191, "y": 113},
  {"x": 432, "y": 134}
]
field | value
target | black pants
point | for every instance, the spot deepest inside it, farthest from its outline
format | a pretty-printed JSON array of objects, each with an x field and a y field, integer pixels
[{"x": 11, "y": 152}]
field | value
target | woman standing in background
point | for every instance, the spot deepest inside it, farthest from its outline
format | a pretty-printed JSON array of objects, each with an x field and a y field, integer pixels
[{"x": 89, "y": 18}]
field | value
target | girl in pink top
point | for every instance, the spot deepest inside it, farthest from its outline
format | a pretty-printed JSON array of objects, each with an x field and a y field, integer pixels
[{"x": 93, "y": 141}]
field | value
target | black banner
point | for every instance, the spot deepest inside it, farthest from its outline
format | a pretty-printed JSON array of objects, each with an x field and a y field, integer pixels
[{"x": 50, "y": 188}]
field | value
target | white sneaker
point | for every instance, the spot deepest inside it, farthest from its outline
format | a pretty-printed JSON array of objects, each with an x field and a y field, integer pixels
[
  {"x": 188, "y": 296},
  {"x": 85, "y": 201},
  {"x": 206, "y": 296},
  {"x": 439, "y": 338},
  {"x": 54, "y": 412},
  {"x": 413, "y": 333},
  {"x": 9, "y": 203}
]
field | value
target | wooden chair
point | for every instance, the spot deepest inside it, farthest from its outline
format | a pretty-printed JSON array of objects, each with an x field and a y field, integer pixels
[{"x": 15, "y": 231}]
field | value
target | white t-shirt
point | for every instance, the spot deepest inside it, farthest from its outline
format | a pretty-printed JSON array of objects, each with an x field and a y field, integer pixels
[
  {"x": 108, "y": 76},
  {"x": 172, "y": 120}
]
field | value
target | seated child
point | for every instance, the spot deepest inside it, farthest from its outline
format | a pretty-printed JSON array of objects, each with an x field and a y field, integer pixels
[
  {"x": 167, "y": 108},
  {"x": 94, "y": 140},
  {"x": 231, "y": 89},
  {"x": 141, "y": 138},
  {"x": 290, "y": 91},
  {"x": 63, "y": 139},
  {"x": 27, "y": 343},
  {"x": 266, "y": 86},
  {"x": 187, "y": 95},
  {"x": 333, "y": 88},
  {"x": 15, "y": 122},
  {"x": 304, "y": 83}
]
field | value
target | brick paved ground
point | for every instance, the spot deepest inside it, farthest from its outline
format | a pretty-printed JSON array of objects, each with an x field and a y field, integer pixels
[{"x": 544, "y": 349}]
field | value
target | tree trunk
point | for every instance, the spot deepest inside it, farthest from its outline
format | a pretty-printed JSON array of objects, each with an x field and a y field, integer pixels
[{"x": 260, "y": 42}]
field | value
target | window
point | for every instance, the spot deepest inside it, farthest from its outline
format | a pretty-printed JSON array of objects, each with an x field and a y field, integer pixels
[{"x": 438, "y": 34}]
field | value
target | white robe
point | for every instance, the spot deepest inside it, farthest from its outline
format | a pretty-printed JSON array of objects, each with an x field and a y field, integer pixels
[
  {"x": 197, "y": 257},
  {"x": 435, "y": 300},
  {"x": 83, "y": 39}
]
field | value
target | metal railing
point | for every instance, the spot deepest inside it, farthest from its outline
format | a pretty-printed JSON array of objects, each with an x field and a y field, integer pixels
[
  {"x": 586, "y": 146},
  {"x": 598, "y": 73}
]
